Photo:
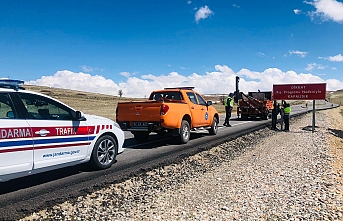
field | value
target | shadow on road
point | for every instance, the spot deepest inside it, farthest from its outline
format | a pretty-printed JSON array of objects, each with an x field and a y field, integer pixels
[
  {"x": 41, "y": 178},
  {"x": 155, "y": 141},
  {"x": 309, "y": 128},
  {"x": 337, "y": 133}
]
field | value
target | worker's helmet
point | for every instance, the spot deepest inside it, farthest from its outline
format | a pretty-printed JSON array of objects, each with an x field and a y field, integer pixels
[{"x": 231, "y": 94}]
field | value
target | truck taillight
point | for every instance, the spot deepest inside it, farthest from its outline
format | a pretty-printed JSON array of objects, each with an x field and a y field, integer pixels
[{"x": 164, "y": 109}]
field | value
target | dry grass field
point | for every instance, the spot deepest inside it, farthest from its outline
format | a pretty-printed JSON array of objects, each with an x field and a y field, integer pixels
[
  {"x": 336, "y": 97},
  {"x": 90, "y": 103},
  {"x": 105, "y": 105}
]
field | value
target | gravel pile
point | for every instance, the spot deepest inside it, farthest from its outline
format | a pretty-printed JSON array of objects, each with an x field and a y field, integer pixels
[{"x": 266, "y": 175}]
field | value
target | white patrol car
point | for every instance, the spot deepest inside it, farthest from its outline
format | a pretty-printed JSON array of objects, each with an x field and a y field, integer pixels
[{"x": 39, "y": 133}]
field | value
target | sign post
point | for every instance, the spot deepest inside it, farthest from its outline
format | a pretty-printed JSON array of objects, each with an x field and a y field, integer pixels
[
  {"x": 300, "y": 92},
  {"x": 314, "y": 116}
]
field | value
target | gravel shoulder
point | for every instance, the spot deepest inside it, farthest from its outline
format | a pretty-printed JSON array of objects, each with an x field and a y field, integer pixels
[{"x": 266, "y": 175}]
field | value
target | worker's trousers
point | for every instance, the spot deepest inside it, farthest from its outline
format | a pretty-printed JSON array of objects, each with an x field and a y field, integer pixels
[
  {"x": 286, "y": 120},
  {"x": 228, "y": 114},
  {"x": 274, "y": 119}
]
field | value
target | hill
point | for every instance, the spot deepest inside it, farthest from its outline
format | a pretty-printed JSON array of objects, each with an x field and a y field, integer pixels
[{"x": 105, "y": 105}]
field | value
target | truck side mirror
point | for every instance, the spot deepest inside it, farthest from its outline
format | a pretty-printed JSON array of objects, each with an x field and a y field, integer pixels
[{"x": 209, "y": 103}]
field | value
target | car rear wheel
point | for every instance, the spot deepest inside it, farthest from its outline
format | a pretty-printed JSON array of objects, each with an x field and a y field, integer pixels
[
  {"x": 185, "y": 132},
  {"x": 214, "y": 127},
  {"x": 104, "y": 152}
]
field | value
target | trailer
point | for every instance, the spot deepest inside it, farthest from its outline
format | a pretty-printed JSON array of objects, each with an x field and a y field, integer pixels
[{"x": 254, "y": 104}]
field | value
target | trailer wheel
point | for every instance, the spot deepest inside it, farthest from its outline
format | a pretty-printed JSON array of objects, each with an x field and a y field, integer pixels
[
  {"x": 141, "y": 136},
  {"x": 214, "y": 127},
  {"x": 185, "y": 132}
]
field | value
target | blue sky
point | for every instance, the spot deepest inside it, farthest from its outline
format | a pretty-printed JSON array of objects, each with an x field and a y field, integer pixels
[{"x": 140, "y": 46}]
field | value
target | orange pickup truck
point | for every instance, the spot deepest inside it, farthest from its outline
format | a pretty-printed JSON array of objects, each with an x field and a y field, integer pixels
[{"x": 172, "y": 110}]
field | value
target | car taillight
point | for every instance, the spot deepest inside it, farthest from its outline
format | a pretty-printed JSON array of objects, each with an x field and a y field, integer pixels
[{"x": 164, "y": 109}]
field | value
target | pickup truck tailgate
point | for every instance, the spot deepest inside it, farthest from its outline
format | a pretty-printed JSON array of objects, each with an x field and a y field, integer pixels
[{"x": 147, "y": 111}]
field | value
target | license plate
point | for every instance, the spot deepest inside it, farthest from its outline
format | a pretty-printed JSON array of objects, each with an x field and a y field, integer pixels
[{"x": 139, "y": 124}]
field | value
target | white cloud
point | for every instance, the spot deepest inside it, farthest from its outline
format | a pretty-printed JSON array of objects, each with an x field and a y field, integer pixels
[
  {"x": 327, "y": 10},
  {"x": 337, "y": 58},
  {"x": 299, "y": 53},
  {"x": 203, "y": 13},
  {"x": 79, "y": 81},
  {"x": 189, "y": 2},
  {"x": 297, "y": 11},
  {"x": 261, "y": 54},
  {"x": 86, "y": 68},
  {"x": 236, "y": 6},
  {"x": 312, "y": 66},
  {"x": 125, "y": 74},
  {"x": 220, "y": 81},
  {"x": 89, "y": 69}
]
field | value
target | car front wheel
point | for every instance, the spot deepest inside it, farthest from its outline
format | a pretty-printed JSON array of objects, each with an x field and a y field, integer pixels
[{"x": 104, "y": 152}]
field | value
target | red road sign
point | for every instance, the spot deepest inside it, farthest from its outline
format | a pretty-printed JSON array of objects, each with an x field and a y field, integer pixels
[{"x": 299, "y": 91}]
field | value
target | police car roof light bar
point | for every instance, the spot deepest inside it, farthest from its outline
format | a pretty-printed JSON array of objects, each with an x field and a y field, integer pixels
[{"x": 11, "y": 84}]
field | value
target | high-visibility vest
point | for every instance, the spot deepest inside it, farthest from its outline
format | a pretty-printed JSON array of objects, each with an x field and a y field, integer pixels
[
  {"x": 228, "y": 101},
  {"x": 287, "y": 110}
]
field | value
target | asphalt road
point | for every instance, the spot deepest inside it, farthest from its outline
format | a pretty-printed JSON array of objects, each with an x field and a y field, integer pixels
[{"x": 20, "y": 197}]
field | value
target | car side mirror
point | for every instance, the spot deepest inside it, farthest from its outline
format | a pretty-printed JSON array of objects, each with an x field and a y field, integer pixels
[
  {"x": 209, "y": 103},
  {"x": 79, "y": 115}
]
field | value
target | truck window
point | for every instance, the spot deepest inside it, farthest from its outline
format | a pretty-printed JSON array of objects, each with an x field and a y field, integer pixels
[
  {"x": 177, "y": 96},
  {"x": 155, "y": 96},
  {"x": 201, "y": 100},
  {"x": 166, "y": 96},
  {"x": 192, "y": 97}
]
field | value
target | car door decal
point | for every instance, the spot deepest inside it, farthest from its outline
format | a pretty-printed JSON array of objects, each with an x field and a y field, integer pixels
[{"x": 15, "y": 139}]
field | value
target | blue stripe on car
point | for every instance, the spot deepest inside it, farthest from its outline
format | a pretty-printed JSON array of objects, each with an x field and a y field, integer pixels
[{"x": 44, "y": 141}]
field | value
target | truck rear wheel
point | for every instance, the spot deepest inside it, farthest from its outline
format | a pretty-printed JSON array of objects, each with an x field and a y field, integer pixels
[
  {"x": 214, "y": 127},
  {"x": 185, "y": 132},
  {"x": 141, "y": 136}
]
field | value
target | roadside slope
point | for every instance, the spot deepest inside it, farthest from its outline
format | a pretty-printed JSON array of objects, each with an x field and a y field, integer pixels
[{"x": 265, "y": 175}]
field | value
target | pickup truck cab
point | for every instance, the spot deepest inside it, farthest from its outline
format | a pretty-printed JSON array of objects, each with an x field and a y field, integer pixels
[{"x": 172, "y": 110}]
